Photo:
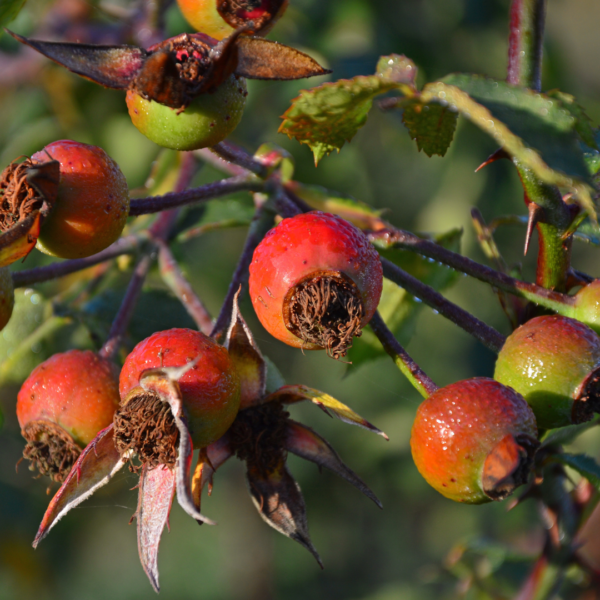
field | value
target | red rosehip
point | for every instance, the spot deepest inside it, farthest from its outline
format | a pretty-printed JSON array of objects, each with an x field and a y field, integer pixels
[
  {"x": 315, "y": 282},
  {"x": 210, "y": 393},
  {"x": 552, "y": 362},
  {"x": 92, "y": 204},
  {"x": 62, "y": 405},
  {"x": 473, "y": 440}
]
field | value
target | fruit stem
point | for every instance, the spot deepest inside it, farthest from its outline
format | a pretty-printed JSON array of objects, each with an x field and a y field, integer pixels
[
  {"x": 124, "y": 245},
  {"x": 261, "y": 223},
  {"x": 410, "y": 369},
  {"x": 487, "y": 335},
  {"x": 216, "y": 189},
  {"x": 119, "y": 326},
  {"x": 173, "y": 276},
  {"x": 397, "y": 238},
  {"x": 524, "y": 69},
  {"x": 238, "y": 156}
]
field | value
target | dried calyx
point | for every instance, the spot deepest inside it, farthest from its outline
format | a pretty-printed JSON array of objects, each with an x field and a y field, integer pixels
[
  {"x": 49, "y": 449},
  {"x": 257, "y": 437},
  {"x": 587, "y": 403},
  {"x": 237, "y": 12},
  {"x": 325, "y": 309},
  {"x": 145, "y": 426},
  {"x": 19, "y": 197}
]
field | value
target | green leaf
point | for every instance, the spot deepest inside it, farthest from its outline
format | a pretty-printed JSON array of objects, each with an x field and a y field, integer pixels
[
  {"x": 431, "y": 125},
  {"x": 583, "y": 123},
  {"x": 533, "y": 128},
  {"x": 397, "y": 307},
  {"x": 585, "y": 465},
  {"x": 9, "y": 9},
  {"x": 566, "y": 435}
]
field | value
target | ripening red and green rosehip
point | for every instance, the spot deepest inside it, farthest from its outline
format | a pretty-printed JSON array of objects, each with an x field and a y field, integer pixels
[
  {"x": 587, "y": 305},
  {"x": 62, "y": 405},
  {"x": 550, "y": 360},
  {"x": 208, "y": 120},
  {"x": 210, "y": 390},
  {"x": 315, "y": 282},
  {"x": 474, "y": 440},
  {"x": 92, "y": 204}
]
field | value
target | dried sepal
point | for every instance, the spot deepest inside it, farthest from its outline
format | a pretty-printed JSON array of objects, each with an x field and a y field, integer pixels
[
  {"x": 290, "y": 394},
  {"x": 260, "y": 14},
  {"x": 279, "y": 501},
  {"x": 96, "y": 466},
  {"x": 306, "y": 443},
  {"x": 247, "y": 358},
  {"x": 156, "y": 491},
  {"x": 209, "y": 460}
]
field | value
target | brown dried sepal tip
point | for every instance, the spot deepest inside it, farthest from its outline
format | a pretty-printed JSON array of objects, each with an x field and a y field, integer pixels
[
  {"x": 144, "y": 425},
  {"x": 257, "y": 437},
  {"x": 588, "y": 401},
  {"x": 325, "y": 309},
  {"x": 508, "y": 465},
  {"x": 50, "y": 449},
  {"x": 20, "y": 195},
  {"x": 237, "y": 13}
]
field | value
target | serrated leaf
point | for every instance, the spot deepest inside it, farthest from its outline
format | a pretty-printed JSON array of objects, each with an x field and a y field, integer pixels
[
  {"x": 585, "y": 465},
  {"x": 328, "y": 116},
  {"x": 534, "y": 129},
  {"x": 9, "y": 9},
  {"x": 431, "y": 125},
  {"x": 358, "y": 213},
  {"x": 583, "y": 124},
  {"x": 397, "y": 307},
  {"x": 568, "y": 434}
]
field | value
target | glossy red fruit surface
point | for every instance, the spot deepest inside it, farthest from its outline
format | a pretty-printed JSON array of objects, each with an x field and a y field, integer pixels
[
  {"x": 459, "y": 426},
  {"x": 549, "y": 360},
  {"x": 312, "y": 246},
  {"x": 77, "y": 390},
  {"x": 210, "y": 390},
  {"x": 92, "y": 204}
]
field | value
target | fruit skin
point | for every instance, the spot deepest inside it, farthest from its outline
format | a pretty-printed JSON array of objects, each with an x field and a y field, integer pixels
[
  {"x": 314, "y": 241},
  {"x": 78, "y": 390},
  {"x": 210, "y": 390},
  {"x": 92, "y": 204},
  {"x": 587, "y": 305},
  {"x": 203, "y": 16},
  {"x": 547, "y": 360},
  {"x": 208, "y": 120},
  {"x": 7, "y": 296},
  {"x": 458, "y": 426}
]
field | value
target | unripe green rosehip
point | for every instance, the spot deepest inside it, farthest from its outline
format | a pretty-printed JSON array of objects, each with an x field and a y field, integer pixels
[
  {"x": 208, "y": 120},
  {"x": 551, "y": 361},
  {"x": 474, "y": 440},
  {"x": 587, "y": 305}
]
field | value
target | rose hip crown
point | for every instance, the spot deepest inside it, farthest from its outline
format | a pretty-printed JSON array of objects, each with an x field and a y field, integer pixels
[{"x": 315, "y": 282}]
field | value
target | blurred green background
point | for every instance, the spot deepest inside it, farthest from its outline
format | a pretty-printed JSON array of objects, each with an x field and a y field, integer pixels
[{"x": 407, "y": 551}]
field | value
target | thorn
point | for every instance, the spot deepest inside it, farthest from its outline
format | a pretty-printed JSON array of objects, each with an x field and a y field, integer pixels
[
  {"x": 535, "y": 214},
  {"x": 500, "y": 153}
]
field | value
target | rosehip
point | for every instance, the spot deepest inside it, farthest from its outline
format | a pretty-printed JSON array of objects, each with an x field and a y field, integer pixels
[
  {"x": 7, "y": 296},
  {"x": 551, "y": 361},
  {"x": 62, "y": 405},
  {"x": 220, "y": 18},
  {"x": 587, "y": 305},
  {"x": 474, "y": 440},
  {"x": 208, "y": 120},
  {"x": 92, "y": 204},
  {"x": 315, "y": 282},
  {"x": 210, "y": 392}
]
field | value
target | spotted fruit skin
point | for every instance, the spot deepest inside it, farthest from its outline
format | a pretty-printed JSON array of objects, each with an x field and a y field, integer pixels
[
  {"x": 587, "y": 305},
  {"x": 77, "y": 390},
  {"x": 299, "y": 246},
  {"x": 208, "y": 120},
  {"x": 7, "y": 296},
  {"x": 458, "y": 426},
  {"x": 210, "y": 390},
  {"x": 546, "y": 360},
  {"x": 92, "y": 204}
]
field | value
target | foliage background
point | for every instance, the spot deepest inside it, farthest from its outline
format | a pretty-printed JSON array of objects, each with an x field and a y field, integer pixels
[{"x": 403, "y": 551}]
